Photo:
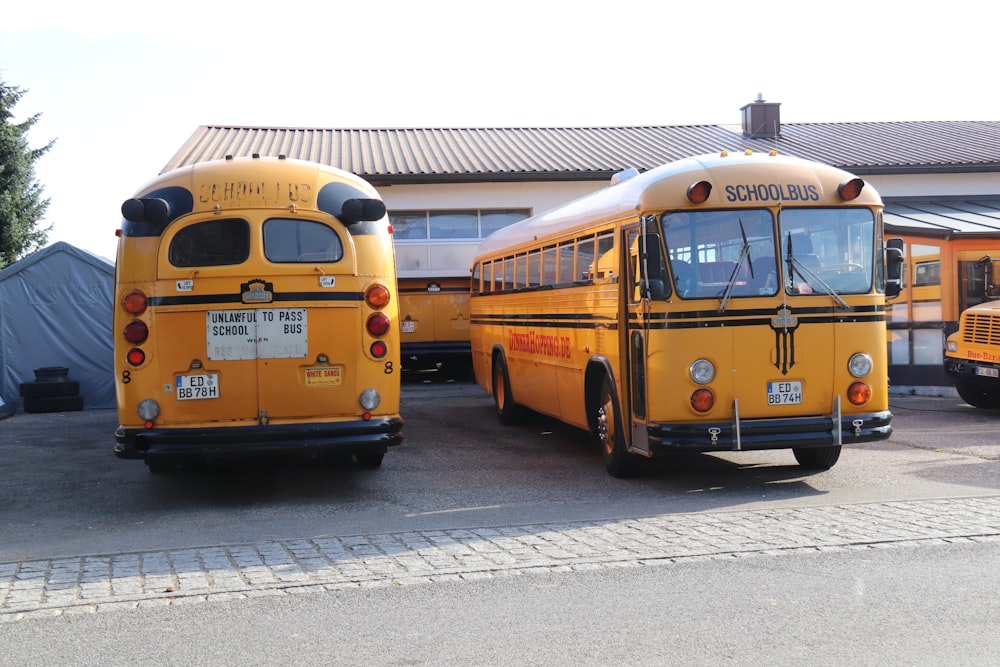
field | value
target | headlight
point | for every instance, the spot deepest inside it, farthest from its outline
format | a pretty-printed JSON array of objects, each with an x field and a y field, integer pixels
[
  {"x": 860, "y": 365},
  {"x": 952, "y": 346},
  {"x": 702, "y": 371}
]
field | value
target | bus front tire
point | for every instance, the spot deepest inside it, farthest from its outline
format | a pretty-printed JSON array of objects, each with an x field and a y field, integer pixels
[
  {"x": 976, "y": 397},
  {"x": 608, "y": 432},
  {"x": 817, "y": 458},
  {"x": 507, "y": 410}
]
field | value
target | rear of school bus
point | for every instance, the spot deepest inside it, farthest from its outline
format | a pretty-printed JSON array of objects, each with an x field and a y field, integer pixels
[{"x": 256, "y": 315}]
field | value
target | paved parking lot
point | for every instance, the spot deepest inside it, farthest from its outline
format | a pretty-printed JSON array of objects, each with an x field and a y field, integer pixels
[{"x": 131, "y": 580}]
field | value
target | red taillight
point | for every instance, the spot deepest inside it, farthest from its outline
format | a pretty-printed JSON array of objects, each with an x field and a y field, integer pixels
[
  {"x": 136, "y": 356},
  {"x": 859, "y": 393},
  {"x": 136, "y": 332},
  {"x": 134, "y": 303},
  {"x": 377, "y": 296},
  {"x": 697, "y": 193},
  {"x": 702, "y": 400},
  {"x": 378, "y": 349},
  {"x": 377, "y": 324},
  {"x": 850, "y": 189}
]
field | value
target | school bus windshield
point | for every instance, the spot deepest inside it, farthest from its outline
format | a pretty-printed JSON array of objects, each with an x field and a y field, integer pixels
[{"x": 722, "y": 254}]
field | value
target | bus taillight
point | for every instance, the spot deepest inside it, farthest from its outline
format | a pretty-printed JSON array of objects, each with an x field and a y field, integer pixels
[
  {"x": 136, "y": 332},
  {"x": 377, "y": 324},
  {"x": 377, "y": 296},
  {"x": 135, "y": 356},
  {"x": 702, "y": 400},
  {"x": 135, "y": 303},
  {"x": 378, "y": 349},
  {"x": 859, "y": 393}
]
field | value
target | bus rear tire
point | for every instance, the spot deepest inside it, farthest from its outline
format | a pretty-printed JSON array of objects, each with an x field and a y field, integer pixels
[
  {"x": 817, "y": 458},
  {"x": 370, "y": 460},
  {"x": 508, "y": 411},
  {"x": 608, "y": 433}
]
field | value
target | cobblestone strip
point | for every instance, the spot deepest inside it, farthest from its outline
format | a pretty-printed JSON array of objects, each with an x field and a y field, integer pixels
[{"x": 131, "y": 580}]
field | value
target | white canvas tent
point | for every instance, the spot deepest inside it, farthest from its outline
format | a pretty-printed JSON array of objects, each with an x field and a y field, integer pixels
[{"x": 56, "y": 310}]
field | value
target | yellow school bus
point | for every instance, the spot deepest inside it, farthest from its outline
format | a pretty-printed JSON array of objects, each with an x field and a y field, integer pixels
[
  {"x": 724, "y": 302},
  {"x": 256, "y": 314}
]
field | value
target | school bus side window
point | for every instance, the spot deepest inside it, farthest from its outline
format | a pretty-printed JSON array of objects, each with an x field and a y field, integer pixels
[
  {"x": 293, "y": 240},
  {"x": 212, "y": 243}
]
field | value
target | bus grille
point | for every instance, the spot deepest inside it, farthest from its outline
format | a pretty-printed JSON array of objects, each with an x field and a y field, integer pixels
[{"x": 982, "y": 329}]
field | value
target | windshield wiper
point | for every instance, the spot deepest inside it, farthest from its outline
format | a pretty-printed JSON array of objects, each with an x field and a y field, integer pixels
[
  {"x": 811, "y": 276},
  {"x": 744, "y": 257}
]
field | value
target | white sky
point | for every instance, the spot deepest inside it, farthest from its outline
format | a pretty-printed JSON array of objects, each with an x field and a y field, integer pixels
[{"x": 121, "y": 85}]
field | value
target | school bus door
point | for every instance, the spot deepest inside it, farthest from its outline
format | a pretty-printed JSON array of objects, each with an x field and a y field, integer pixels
[{"x": 635, "y": 298}]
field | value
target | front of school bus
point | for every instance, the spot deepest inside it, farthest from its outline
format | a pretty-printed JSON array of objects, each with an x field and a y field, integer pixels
[
  {"x": 768, "y": 326},
  {"x": 256, "y": 314}
]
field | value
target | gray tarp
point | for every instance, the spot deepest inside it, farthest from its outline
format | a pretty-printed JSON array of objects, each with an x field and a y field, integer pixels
[{"x": 56, "y": 310}]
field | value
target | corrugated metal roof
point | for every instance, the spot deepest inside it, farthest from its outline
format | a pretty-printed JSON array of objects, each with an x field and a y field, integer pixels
[
  {"x": 427, "y": 155},
  {"x": 944, "y": 217}
]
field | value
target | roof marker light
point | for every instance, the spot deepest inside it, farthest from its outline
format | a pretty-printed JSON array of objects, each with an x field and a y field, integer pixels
[
  {"x": 850, "y": 189},
  {"x": 697, "y": 193}
]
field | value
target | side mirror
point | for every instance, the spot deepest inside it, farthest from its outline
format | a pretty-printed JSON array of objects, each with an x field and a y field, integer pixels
[
  {"x": 893, "y": 267},
  {"x": 653, "y": 286}
]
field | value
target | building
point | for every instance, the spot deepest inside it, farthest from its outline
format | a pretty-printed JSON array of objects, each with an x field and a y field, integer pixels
[{"x": 447, "y": 187}]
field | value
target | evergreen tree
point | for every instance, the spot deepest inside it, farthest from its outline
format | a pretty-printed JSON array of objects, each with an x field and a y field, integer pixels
[{"x": 21, "y": 204}]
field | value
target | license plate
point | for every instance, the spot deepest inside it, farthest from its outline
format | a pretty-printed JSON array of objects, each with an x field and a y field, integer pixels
[
  {"x": 324, "y": 376},
  {"x": 785, "y": 392},
  {"x": 409, "y": 326},
  {"x": 197, "y": 387},
  {"x": 987, "y": 372}
]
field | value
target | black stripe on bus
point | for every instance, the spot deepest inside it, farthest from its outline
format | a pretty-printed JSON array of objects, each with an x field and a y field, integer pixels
[
  {"x": 686, "y": 320},
  {"x": 207, "y": 299}
]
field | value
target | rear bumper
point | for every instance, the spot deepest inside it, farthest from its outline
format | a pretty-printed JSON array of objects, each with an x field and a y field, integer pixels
[
  {"x": 353, "y": 437},
  {"x": 418, "y": 356},
  {"x": 756, "y": 434}
]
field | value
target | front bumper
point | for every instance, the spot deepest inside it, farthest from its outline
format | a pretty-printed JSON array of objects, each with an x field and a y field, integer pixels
[
  {"x": 973, "y": 373},
  {"x": 756, "y": 434}
]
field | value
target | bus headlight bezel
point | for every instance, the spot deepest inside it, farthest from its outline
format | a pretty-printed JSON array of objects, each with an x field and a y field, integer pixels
[{"x": 859, "y": 365}]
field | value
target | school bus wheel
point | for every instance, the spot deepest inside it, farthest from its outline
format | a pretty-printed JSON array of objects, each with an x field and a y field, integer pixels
[
  {"x": 609, "y": 435},
  {"x": 507, "y": 410},
  {"x": 817, "y": 458}
]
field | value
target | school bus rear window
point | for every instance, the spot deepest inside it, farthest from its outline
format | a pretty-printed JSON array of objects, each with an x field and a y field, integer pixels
[
  {"x": 211, "y": 243},
  {"x": 297, "y": 241}
]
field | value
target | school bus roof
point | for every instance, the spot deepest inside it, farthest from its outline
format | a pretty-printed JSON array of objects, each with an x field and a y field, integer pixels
[{"x": 738, "y": 179}]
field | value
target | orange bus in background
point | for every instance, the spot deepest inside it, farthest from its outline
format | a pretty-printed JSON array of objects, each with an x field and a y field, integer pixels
[{"x": 256, "y": 315}]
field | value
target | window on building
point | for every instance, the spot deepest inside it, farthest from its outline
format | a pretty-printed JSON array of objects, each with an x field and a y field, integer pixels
[{"x": 452, "y": 224}]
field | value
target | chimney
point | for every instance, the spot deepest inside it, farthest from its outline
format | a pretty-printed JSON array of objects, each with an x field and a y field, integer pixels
[{"x": 761, "y": 119}]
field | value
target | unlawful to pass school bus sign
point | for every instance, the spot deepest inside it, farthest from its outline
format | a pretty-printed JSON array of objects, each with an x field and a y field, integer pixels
[{"x": 258, "y": 333}]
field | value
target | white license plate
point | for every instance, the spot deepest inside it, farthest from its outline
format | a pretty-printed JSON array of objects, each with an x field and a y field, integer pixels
[
  {"x": 409, "y": 326},
  {"x": 987, "y": 372},
  {"x": 785, "y": 392},
  {"x": 196, "y": 387}
]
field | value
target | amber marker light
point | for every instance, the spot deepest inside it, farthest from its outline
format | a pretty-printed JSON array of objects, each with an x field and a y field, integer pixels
[
  {"x": 134, "y": 303},
  {"x": 697, "y": 193},
  {"x": 377, "y": 296},
  {"x": 702, "y": 400},
  {"x": 859, "y": 393},
  {"x": 850, "y": 189}
]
